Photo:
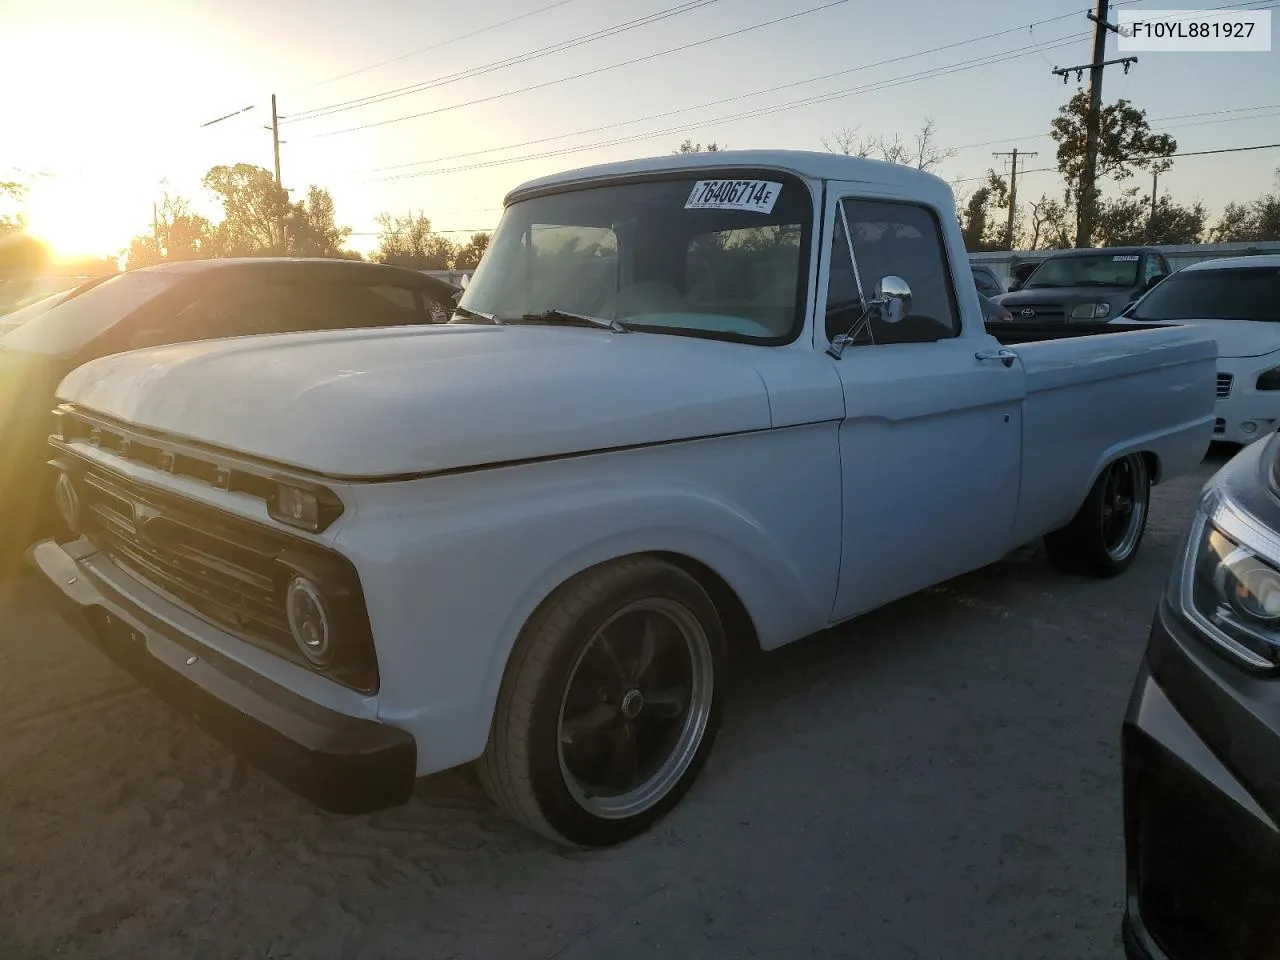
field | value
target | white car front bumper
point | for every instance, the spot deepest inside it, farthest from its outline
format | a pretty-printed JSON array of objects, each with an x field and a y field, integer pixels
[{"x": 1245, "y": 413}]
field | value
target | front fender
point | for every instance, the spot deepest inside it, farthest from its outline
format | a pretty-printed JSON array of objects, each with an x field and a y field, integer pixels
[{"x": 452, "y": 567}]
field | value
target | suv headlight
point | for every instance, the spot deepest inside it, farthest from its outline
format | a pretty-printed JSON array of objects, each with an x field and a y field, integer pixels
[
  {"x": 1090, "y": 311},
  {"x": 1229, "y": 583},
  {"x": 1269, "y": 379}
]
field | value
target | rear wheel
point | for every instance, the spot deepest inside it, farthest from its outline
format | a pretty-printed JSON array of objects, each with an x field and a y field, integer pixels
[
  {"x": 1102, "y": 539},
  {"x": 610, "y": 704}
]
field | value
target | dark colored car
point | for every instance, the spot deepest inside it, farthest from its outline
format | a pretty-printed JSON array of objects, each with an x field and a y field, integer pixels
[
  {"x": 1201, "y": 739},
  {"x": 1086, "y": 285},
  {"x": 985, "y": 279},
  {"x": 174, "y": 303}
]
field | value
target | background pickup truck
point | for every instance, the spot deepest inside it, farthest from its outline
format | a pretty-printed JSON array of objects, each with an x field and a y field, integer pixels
[{"x": 686, "y": 405}]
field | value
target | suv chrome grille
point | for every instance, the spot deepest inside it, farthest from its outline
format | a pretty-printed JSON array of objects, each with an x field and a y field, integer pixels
[{"x": 1224, "y": 385}]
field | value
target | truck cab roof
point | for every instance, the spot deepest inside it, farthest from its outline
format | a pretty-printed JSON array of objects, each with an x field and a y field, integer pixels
[{"x": 809, "y": 164}]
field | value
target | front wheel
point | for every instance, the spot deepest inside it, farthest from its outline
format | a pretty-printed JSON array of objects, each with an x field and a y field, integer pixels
[
  {"x": 1102, "y": 539},
  {"x": 610, "y": 704}
]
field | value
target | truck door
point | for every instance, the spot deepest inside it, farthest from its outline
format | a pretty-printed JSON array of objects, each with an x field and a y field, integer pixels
[{"x": 930, "y": 444}]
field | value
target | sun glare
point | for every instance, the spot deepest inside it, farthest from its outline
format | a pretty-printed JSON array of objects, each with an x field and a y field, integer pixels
[{"x": 71, "y": 227}]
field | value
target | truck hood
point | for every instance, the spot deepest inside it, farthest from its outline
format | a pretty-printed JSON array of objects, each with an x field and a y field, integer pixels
[{"x": 394, "y": 402}]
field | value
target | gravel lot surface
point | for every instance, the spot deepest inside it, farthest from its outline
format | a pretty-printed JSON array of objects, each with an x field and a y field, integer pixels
[{"x": 937, "y": 780}]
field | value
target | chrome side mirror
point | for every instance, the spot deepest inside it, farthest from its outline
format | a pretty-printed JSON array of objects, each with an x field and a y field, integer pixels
[
  {"x": 893, "y": 296},
  {"x": 891, "y": 300}
]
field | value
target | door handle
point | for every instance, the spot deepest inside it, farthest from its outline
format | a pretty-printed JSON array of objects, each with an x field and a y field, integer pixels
[{"x": 1004, "y": 356}]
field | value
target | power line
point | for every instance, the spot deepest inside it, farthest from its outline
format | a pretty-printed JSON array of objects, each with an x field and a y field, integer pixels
[
  {"x": 442, "y": 43},
  {"x": 1172, "y": 156},
  {"x": 688, "y": 6},
  {"x": 700, "y": 106},
  {"x": 1179, "y": 116},
  {"x": 228, "y": 116},
  {"x": 578, "y": 76},
  {"x": 790, "y": 105}
]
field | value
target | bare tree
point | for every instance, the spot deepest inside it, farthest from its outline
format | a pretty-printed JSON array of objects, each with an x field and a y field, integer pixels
[
  {"x": 922, "y": 152},
  {"x": 926, "y": 154},
  {"x": 849, "y": 142}
]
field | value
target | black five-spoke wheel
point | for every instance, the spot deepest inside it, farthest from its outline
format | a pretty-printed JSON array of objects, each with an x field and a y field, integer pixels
[{"x": 610, "y": 703}]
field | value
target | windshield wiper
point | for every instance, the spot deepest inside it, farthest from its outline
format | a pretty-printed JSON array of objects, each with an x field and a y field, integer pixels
[
  {"x": 572, "y": 319},
  {"x": 477, "y": 315}
]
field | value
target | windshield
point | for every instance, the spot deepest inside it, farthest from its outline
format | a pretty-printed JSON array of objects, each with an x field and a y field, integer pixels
[
  {"x": 1246, "y": 293},
  {"x": 1103, "y": 269},
  {"x": 69, "y": 325},
  {"x": 723, "y": 258}
]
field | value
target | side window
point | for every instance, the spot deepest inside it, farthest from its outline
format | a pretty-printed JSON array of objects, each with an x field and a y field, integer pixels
[
  {"x": 982, "y": 280},
  {"x": 900, "y": 239},
  {"x": 243, "y": 310},
  {"x": 844, "y": 299},
  {"x": 1150, "y": 268}
]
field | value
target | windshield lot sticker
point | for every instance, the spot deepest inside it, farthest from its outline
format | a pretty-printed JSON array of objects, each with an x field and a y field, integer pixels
[
  {"x": 1124, "y": 259},
  {"x": 756, "y": 196}
]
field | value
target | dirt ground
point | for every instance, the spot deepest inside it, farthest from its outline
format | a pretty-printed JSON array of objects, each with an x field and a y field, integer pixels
[{"x": 937, "y": 780}]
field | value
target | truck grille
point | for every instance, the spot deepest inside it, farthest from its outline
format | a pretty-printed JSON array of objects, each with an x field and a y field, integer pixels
[
  {"x": 221, "y": 573},
  {"x": 1224, "y": 385},
  {"x": 1043, "y": 312}
]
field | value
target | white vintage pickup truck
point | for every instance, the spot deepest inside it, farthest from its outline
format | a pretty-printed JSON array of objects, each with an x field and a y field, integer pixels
[{"x": 687, "y": 405}]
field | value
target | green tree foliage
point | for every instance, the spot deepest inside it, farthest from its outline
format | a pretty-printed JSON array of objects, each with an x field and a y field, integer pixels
[
  {"x": 254, "y": 210},
  {"x": 409, "y": 241},
  {"x": 178, "y": 234},
  {"x": 468, "y": 255},
  {"x": 1049, "y": 225},
  {"x": 1125, "y": 144},
  {"x": 690, "y": 147},
  {"x": 1127, "y": 221},
  {"x": 11, "y": 193},
  {"x": 981, "y": 222},
  {"x": 312, "y": 227},
  {"x": 258, "y": 221},
  {"x": 1257, "y": 220}
]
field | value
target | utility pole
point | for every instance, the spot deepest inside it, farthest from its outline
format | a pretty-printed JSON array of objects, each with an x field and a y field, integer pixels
[
  {"x": 1013, "y": 186},
  {"x": 275, "y": 146},
  {"x": 1088, "y": 178},
  {"x": 1151, "y": 220},
  {"x": 155, "y": 228}
]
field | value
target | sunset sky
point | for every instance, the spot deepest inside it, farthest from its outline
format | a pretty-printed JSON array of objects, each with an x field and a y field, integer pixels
[{"x": 104, "y": 98}]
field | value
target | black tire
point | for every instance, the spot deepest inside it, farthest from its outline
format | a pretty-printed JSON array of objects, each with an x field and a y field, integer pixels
[
  {"x": 524, "y": 767},
  {"x": 1099, "y": 541}
]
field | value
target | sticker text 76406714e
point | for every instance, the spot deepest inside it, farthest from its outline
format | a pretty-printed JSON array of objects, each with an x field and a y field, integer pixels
[{"x": 757, "y": 196}]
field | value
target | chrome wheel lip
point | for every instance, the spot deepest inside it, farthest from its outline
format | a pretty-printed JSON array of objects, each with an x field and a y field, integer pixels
[
  {"x": 1139, "y": 496},
  {"x": 696, "y": 719}
]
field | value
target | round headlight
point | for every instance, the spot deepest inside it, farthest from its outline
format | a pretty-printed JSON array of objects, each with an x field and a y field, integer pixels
[
  {"x": 309, "y": 621},
  {"x": 67, "y": 501}
]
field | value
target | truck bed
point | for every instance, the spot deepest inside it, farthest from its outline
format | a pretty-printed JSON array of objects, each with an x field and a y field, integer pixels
[
  {"x": 1092, "y": 397},
  {"x": 1014, "y": 333}
]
